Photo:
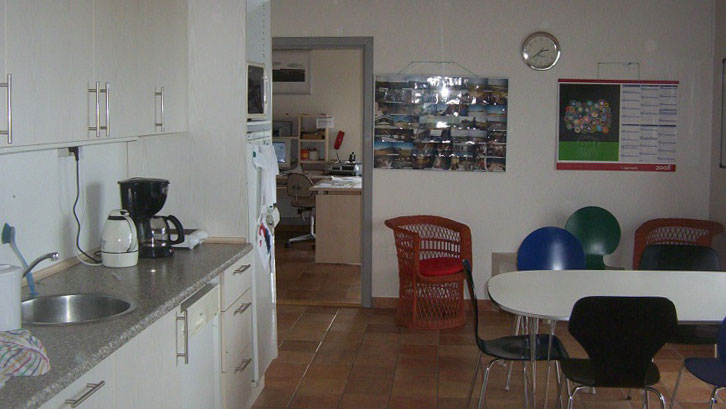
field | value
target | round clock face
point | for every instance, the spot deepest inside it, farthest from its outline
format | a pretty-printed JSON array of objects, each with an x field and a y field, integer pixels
[{"x": 541, "y": 51}]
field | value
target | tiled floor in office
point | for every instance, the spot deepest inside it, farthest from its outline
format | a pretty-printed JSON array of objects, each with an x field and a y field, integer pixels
[
  {"x": 356, "y": 358},
  {"x": 301, "y": 281}
]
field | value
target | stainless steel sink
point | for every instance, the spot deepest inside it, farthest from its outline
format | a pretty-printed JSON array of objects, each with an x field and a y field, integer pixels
[{"x": 73, "y": 309}]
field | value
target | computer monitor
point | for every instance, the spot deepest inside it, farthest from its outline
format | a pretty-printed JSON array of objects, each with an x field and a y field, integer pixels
[{"x": 286, "y": 152}]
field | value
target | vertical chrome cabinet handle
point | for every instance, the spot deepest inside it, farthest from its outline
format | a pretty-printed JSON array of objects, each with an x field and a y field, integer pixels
[
  {"x": 108, "y": 109},
  {"x": 94, "y": 387},
  {"x": 185, "y": 320},
  {"x": 97, "y": 127},
  {"x": 9, "y": 85},
  {"x": 157, "y": 123},
  {"x": 241, "y": 269},
  {"x": 242, "y": 365},
  {"x": 242, "y": 308}
]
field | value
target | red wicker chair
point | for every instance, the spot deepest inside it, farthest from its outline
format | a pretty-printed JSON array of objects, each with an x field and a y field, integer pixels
[
  {"x": 673, "y": 231},
  {"x": 430, "y": 252}
]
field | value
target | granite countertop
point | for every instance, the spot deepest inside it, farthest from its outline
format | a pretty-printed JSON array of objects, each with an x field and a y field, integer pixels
[{"x": 156, "y": 286}]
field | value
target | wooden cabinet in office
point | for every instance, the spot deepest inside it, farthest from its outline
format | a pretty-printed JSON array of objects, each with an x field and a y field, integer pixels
[{"x": 48, "y": 49}]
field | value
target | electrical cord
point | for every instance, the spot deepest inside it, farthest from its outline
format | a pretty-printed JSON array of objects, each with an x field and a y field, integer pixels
[{"x": 74, "y": 151}]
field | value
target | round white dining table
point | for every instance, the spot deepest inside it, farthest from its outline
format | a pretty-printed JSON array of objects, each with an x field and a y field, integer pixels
[{"x": 699, "y": 296}]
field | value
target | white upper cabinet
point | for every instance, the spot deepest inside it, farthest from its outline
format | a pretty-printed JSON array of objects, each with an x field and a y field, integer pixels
[
  {"x": 3, "y": 77},
  {"x": 164, "y": 38},
  {"x": 49, "y": 54},
  {"x": 118, "y": 58},
  {"x": 258, "y": 31}
]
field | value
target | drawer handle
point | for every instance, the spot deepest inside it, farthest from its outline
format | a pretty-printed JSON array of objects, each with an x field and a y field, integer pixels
[
  {"x": 242, "y": 308},
  {"x": 9, "y": 85},
  {"x": 242, "y": 366},
  {"x": 241, "y": 269},
  {"x": 185, "y": 320},
  {"x": 94, "y": 387}
]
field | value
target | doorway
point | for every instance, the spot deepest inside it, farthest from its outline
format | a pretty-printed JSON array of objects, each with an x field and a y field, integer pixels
[{"x": 300, "y": 279}]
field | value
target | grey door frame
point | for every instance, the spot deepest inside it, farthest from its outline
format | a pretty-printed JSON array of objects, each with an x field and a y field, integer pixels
[{"x": 365, "y": 44}]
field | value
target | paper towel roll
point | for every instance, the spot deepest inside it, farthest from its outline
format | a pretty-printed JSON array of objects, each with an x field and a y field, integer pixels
[{"x": 10, "y": 279}]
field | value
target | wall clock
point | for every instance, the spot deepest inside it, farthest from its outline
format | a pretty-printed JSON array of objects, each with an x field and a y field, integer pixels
[{"x": 540, "y": 51}]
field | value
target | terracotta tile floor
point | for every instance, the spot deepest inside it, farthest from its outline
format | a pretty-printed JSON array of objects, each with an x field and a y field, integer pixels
[
  {"x": 341, "y": 358},
  {"x": 301, "y": 281}
]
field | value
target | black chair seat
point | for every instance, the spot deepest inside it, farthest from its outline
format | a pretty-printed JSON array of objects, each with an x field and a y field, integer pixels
[
  {"x": 709, "y": 370},
  {"x": 581, "y": 371},
  {"x": 695, "y": 334},
  {"x": 516, "y": 348}
]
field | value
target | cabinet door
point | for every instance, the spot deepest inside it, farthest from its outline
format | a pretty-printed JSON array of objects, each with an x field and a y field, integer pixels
[
  {"x": 165, "y": 62},
  {"x": 97, "y": 385},
  {"x": 258, "y": 31},
  {"x": 3, "y": 77},
  {"x": 146, "y": 368},
  {"x": 49, "y": 54},
  {"x": 118, "y": 60}
]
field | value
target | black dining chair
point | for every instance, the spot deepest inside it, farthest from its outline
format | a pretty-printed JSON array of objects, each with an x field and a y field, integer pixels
[
  {"x": 679, "y": 257},
  {"x": 509, "y": 348},
  {"x": 620, "y": 335}
]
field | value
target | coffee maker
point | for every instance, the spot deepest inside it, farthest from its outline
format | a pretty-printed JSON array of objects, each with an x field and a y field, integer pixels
[{"x": 143, "y": 198}]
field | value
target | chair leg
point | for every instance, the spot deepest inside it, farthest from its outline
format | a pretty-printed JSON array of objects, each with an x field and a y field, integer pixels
[
  {"x": 646, "y": 399},
  {"x": 473, "y": 381},
  {"x": 713, "y": 396},
  {"x": 675, "y": 389},
  {"x": 571, "y": 395},
  {"x": 515, "y": 331},
  {"x": 657, "y": 392},
  {"x": 482, "y": 398}
]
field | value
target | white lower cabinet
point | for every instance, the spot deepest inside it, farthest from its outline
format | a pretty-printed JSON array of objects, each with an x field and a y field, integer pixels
[
  {"x": 147, "y": 373},
  {"x": 237, "y": 382},
  {"x": 94, "y": 390}
]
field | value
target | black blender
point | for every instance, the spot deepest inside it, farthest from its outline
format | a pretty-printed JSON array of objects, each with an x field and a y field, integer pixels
[{"x": 143, "y": 198}]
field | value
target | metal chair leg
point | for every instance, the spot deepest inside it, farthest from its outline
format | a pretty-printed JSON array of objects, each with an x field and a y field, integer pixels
[
  {"x": 482, "y": 398},
  {"x": 473, "y": 381},
  {"x": 571, "y": 395},
  {"x": 646, "y": 403},
  {"x": 714, "y": 394},
  {"x": 657, "y": 392},
  {"x": 515, "y": 331},
  {"x": 675, "y": 388}
]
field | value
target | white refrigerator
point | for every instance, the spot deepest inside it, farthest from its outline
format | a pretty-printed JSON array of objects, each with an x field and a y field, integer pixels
[{"x": 264, "y": 322}]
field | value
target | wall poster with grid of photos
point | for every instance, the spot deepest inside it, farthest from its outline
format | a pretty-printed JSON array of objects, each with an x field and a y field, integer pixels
[{"x": 439, "y": 122}]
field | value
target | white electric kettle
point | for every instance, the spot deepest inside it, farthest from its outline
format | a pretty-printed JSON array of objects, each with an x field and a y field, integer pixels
[{"x": 119, "y": 242}]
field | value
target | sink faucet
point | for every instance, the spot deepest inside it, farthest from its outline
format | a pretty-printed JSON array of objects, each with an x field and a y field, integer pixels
[{"x": 53, "y": 256}]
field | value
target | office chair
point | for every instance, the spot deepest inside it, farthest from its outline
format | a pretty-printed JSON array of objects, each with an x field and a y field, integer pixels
[
  {"x": 679, "y": 257},
  {"x": 298, "y": 189},
  {"x": 598, "y": 231},
  {"x": 508, "y": 348},
  {"x": 709, "y": 370},
  {"x": 673, "y": 231},
  {"x": 620, "y": 335}
]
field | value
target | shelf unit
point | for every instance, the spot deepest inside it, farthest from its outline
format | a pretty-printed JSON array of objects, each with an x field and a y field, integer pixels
[{"x": 301, "y": 126}]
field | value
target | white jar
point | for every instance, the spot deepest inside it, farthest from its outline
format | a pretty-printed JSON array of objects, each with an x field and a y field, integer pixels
[{"x": 10, "y": 282}]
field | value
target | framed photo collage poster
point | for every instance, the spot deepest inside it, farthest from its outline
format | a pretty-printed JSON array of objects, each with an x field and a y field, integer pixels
[
  {"x": 436, "y": 122},
  {"x": 617, "y": 125}
]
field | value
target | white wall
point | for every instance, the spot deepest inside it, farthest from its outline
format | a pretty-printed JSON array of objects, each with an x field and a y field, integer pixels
[
  {"x": 671, "y": 39},
  {"x": 718, "y": 175},
  {"x": 337, "y": 89},
  {"x": 38, "y": 190}
]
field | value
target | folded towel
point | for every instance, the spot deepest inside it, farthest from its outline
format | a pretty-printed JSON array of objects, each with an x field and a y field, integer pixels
[{"x": 21, "y": 354}]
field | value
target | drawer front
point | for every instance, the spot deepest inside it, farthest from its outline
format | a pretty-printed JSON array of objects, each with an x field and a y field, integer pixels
[
  {"x": 237, "y": 383},
  {"x": 236, "y": 331},
  {"x": 95, "y": 389},
  {"x": 236, "y": 279},
  {"x": 203, "y": 310}
]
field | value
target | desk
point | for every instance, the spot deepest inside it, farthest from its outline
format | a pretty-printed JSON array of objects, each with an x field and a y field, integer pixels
[
  {"x": 338, "y": 220},
  {"x": 697, "y": 295}
]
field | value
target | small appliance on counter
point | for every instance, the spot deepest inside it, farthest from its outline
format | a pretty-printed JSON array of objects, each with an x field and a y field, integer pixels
[
  {"x": 119, "y": 240},
  {"x": 143, "y": 198},
  {"x": 10, "y": 282},
  {"x": 351, "y": 167}
]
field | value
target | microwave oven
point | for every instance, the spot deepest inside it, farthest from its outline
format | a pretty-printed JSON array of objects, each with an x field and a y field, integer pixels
[{"x": 258, "y": 100}]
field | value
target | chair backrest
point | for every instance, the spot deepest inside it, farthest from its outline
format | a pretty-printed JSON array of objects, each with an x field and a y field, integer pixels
[
  {"x": 298, "y": 187},
  {"x": 430, "y": 237},
  {"x": 598, "y": 231},
  {"x": 673, "y": 231},
  {"x": 621, "y": 335},
  {"x": 550, "y": 248},
  {"x": 474, "y": 304},
  {"x": 679, "y": 257},
  {"x": 721, "y": 342}
]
